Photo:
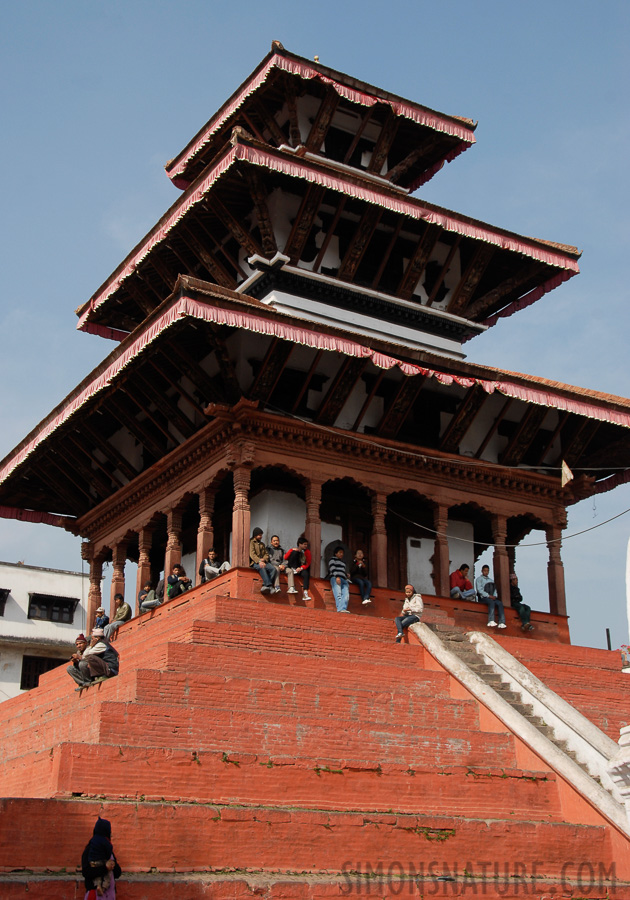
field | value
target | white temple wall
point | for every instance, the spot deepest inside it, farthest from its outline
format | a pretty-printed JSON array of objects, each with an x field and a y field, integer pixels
[{"x": 281, "y": 513}]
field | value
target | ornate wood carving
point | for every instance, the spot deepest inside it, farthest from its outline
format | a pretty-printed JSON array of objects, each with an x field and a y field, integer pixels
[
  {"x": 226, "y": 367},
  {"x": 143, "y": 303},
  {"x": 277, "y": 134},
  {"x": 359, "y": 134},
  {"x": 329, "y": 234},
  {"x": 359, "y": 243},
  {"x": 463, "y": 419},
  {"x": 418, "y": 262},
  {"x": 401, "y": 168},
  {"x": 163, "y": 271},
  {"x": 274, "y": 362},
  {"x": 470, "y": 279},
  {"x": 388, "y": 252},
  {"x": 304, "y": 222},
  {"x": 384, "y": 143},
  {"x": 481, "y": 306},
  {"x": 523, "y": 436},
  {"x": 444, "y": 270},
  {"x": 295, "y": 137},
  {"x": 339, "y": 391},
  {"x": 399, "y": 409},
  {"x": 259, "y": 197},
  {"x": 240, "y": 234},
  {"x": 579, "y": 442},
  {"x": 322, "y": 121},
  {"x": 214, "y": 267}
]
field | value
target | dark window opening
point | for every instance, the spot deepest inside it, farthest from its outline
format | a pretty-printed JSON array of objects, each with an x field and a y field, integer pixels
[
  {"x": 4, "y": 593},
  {"x": 51, "y": 608},
  {"x": 34, "y": 666}
]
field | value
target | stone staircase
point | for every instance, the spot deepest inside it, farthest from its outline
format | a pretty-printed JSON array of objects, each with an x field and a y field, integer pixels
[{"x": 251, "y": 747}]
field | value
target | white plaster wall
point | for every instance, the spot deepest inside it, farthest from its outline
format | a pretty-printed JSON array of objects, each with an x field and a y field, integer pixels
[
  {"x": 22, "y": 580},
  {"x": 419, "y": 565},
  {"x": 461, "y": 548},
  {"x": 480, "y": 427},
  {"x": 277, "y": 512}
]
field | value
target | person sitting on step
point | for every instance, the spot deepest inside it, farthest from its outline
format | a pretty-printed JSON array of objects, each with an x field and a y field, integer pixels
[
  {"x": 211, "y": 566},
  {"x": 99, "y": 661},
  {"x": 276, "y": 558},
  {"x": 338, "y": 574},
  {"x": 299, "y": 560},
  {"x": 178, "y": 582},
  {"x": 102, "y": 619},
  {"x": 413, "y": 607},
  {"x": 516, "y": 602},
  {"x": 73, "y": 669},
  {"x": 123, "y": 614},
  {"x": 487, "y": 593},
  {"x": 259, "y": 560},
  {"x": 460, "y": 585},
  {"x": 359, "y": 575}
]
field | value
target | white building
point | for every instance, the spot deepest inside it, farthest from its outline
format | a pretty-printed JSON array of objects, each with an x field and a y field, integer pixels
[{"x": 41, "y": 613}]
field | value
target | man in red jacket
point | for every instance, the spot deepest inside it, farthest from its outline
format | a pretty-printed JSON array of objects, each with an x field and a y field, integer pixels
[
  {"x": 461, "y": 588},
  {"x": 299, "y": 559}
]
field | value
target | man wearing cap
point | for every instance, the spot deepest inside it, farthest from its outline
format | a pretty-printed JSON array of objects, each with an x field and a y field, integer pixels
[
  {"x": 123, "y": 614},
  {"x": 73, "y": 669},
  {"x": 98, "y": 662},
  {"x": 102, "y": 619},
  {"x": 259, "y": 560}
]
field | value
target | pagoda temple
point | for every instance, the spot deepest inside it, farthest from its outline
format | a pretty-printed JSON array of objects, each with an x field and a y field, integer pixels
[{"x": 290, "y": 352}]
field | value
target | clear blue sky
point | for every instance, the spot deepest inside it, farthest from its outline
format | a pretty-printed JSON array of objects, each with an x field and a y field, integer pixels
[{"x": 97, "y": 96}]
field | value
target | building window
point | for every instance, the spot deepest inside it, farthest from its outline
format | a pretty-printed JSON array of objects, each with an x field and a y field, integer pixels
[
  {"x": 4, "y": 593},
  {"x": 51, "y": 608},
  {"x": 34, "y": 666}
]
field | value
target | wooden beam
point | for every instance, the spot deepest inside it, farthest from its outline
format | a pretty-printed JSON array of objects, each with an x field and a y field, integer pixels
[
  {"x": 384, "y": 143},
  {"x": 163, "y": 271},
  {"x": 142, "y": 402},
  {"x": 359, "y": 134},
  {"x": 68, "y": 489},
  {"x": 400, "y": 407},
  {"x": 76, "y": 488},
  {"x": 219, "y": 248},
  {"x": 78, "y": 444},
  {"x": 359, "y": 243},
  {"x": 167, "y": 405},
  {"x": 368, "y": 400},
  {"x": 418, "y": 262},
  {"x": 387, "y": 254},
  {"x": 304, "y": 222},
  {"x": 271, "y": 369},
  {"x": 243, "y": 238},
  {"x": 582, "y": 437},
  {"x": 320, "y": 126},
  {"x": 252, "y": 127},
  {"x": 115, "y": 457},
  {"x": 134, "y": 290},
  {"x": 214, "y": 267},
  {"x": 470, "y": 279},
  {"x": 496, "y": 295},
  {"x": 401, "y": 168},
  {"x": 259, "y": 196},
  {"x": 226, "y": 367},
  {"x": 347, "y": 376},
  {"x": 123, "y": 410},
  {"x": 84, "y": 468},
  {"x": 295, "y": 137},
  {"x": 165, "y": 374},
  {"x": 306, "y": 381},
  {"x": 523, "y": 436},
  {"x": 184, "y": 364},
  {"x": 270, "y": 124},
  {"x": 444, "y": 270},
  {"x": 463, "y": 419},
  {"x": 329, "y": 234},
  {"x": 561, "y": 423},
  {"x": 495, "y": 425}
]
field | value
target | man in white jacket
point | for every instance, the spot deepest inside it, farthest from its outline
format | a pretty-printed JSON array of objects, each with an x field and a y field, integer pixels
[{"x": 411, "y": 611}]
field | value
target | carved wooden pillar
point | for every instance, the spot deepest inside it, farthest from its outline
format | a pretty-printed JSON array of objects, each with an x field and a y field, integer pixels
[
  {"x": 378, "y": 565},
  {"x": 205, "y": 532},
  {"x": 173, "y": 555},
  {"x": 500, "y": 559},
  {"x": 119, "y": 558},
  {"x": 313, "y": 529},
  {"x": 241, "y": 516},
  {"x": 145, "y": 537},
  {"x": 441, "y": 556},
  {"x": 95, "y": 598},
  {"x": 555, "y": 572},
  {"x": 511, "y": 552}
]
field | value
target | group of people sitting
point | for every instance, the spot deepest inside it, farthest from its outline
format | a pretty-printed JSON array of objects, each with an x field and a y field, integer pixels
[
  {"x": 94, "y": 660},
  {"x": 485, "y": 592},
  {"x": 272, "y": 561}
]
